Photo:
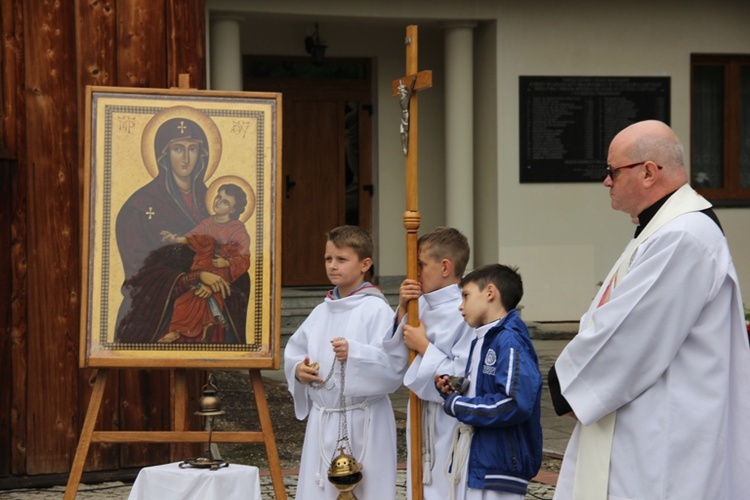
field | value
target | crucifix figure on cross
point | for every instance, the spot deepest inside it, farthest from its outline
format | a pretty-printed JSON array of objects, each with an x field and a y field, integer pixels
[
  {"x": 409, "y": 126},
  {"x": 404, "y": 97}
]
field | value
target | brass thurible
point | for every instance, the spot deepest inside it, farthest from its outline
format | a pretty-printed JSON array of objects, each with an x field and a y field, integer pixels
[{"x": 345, "y": 474}]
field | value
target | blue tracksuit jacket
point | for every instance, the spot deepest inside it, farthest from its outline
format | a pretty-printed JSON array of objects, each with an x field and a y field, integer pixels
[{"x": 506, "y": 448}]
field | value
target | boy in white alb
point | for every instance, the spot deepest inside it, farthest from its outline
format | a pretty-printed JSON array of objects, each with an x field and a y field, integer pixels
[
  {"x": 340, "y": 377},
  {"x": 442, "y": 342}
]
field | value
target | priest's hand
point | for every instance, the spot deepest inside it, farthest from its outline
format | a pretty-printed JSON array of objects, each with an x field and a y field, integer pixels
[{"x": 415, "y": 338}]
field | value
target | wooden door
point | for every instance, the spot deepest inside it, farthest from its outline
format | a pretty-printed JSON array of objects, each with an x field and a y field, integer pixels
[
  {"x": 313, "y": 187},
  {"x": 327, "y": 167}
]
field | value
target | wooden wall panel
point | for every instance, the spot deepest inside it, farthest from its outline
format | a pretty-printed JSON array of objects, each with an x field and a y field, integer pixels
[
  {"x": 53, "y": 236},
  {"x": 6, "y": 365},
  {"x": 141, "y": 44},
  {"x": 186, "y": 30},
  {"x": 96, "y": 63},
  {"x": 13, "y": 226},
  {"x": 12, "y": 51},
  {"x": 51, "y": 51}
]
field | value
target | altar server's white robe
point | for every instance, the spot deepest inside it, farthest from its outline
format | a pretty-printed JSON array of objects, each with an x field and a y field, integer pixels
[
  {"x": 669, "y": 352},
  {"x": 369, "y": 378},
  {"x": 450, "y": 339}
]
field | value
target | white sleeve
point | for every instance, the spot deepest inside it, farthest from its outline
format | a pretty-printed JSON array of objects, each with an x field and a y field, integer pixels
[
  {"x": 295, "y": 352},
  {"x": 447, "y": 355},
  {"x": 369, "y": 369},
  {"x": 634, "y": 336}
]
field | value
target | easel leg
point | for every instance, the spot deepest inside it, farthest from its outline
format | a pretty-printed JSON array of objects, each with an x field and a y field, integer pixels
[
  {"x": 84, "y": 442},
  {"x": 179, "y": 416},
  {"x": 274, "y": 464}
]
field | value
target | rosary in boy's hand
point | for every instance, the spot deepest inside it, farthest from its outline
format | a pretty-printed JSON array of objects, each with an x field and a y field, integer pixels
[
  {"x": 340, "y": 348},
  {"x": 307, "y": 372}
]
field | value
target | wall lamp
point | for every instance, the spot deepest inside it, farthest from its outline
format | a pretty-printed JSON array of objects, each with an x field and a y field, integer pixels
[{"x": 315, "y": 47}]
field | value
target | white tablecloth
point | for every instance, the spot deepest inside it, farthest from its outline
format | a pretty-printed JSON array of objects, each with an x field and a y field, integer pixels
[{"x": 170, "y": 482}]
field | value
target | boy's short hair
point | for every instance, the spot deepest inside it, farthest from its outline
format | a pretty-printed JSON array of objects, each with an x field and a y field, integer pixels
[
  {"x": 354, "y": 237},
  {"x": 447, "y": 243},
  {"x": 240, "y": 199},
  {"x": 505, "y": 279}
]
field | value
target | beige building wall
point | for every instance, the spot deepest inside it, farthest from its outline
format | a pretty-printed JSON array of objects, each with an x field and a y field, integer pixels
[{"x": 563, "y": 237}]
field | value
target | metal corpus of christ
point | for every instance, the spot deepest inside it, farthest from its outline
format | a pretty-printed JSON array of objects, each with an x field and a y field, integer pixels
[{"x": 406, "y": 89}]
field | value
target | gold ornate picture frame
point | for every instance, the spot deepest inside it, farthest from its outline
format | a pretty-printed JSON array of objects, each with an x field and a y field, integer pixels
[{"x": 181, "y": 229}]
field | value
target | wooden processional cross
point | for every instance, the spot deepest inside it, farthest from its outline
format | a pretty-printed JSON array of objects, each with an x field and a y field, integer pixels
[{"x": 406, "y": 89}]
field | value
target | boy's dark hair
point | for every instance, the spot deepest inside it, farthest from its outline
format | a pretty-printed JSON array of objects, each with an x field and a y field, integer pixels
[
  {"x": 354, "y": 237},
  {"x": 240, "y": 199},
  {"x": 447, "y": 243},
  {"x": 505, "y": 279}
]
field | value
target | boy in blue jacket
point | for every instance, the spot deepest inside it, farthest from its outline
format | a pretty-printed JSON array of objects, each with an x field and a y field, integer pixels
[{"x": 498, "y": 403}]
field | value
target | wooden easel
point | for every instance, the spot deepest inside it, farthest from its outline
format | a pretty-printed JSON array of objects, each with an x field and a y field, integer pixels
[
  {"x": 89, "y": 435},
  {"x": 179, "y": 433}
]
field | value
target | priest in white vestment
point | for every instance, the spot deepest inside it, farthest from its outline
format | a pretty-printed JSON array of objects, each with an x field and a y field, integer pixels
[{"x": 659, "y": 373}]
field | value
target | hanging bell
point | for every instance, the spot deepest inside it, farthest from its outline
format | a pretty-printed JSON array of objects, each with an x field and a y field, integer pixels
[
  {"x": 345, "y": 473},
  {"x": 209, "y": 404}
]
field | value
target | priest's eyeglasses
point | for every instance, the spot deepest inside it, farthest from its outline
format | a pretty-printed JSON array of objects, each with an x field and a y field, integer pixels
[{"x": 611, "y": 170}]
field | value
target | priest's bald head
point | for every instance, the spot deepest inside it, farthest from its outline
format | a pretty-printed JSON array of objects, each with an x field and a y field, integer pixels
[{"x": 645, "y": 163}]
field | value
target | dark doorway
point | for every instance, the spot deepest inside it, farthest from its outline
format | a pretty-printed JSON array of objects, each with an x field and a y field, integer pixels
[{"x": 326, "y": 154}]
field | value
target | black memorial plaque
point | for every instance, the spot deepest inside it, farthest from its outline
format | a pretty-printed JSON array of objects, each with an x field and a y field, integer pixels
[{"x": 567, "y": 123}]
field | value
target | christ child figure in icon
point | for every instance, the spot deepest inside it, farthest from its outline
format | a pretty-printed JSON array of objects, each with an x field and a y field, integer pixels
[{"x": 222, "y": 251}]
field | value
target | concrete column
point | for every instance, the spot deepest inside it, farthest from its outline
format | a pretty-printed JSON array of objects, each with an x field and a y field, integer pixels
[
  {"x": 459, "y": 128},
  {"x": 226, "y": 53}
]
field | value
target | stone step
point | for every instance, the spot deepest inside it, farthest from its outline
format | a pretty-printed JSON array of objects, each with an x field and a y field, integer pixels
[
  {"x": 292, "y": 317},
  {"x": 302, "y": 298},
  {"x": 297, "y": 303}
]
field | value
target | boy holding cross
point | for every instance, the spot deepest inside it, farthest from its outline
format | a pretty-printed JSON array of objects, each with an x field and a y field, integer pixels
[{"x": 442, "y": 342}]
